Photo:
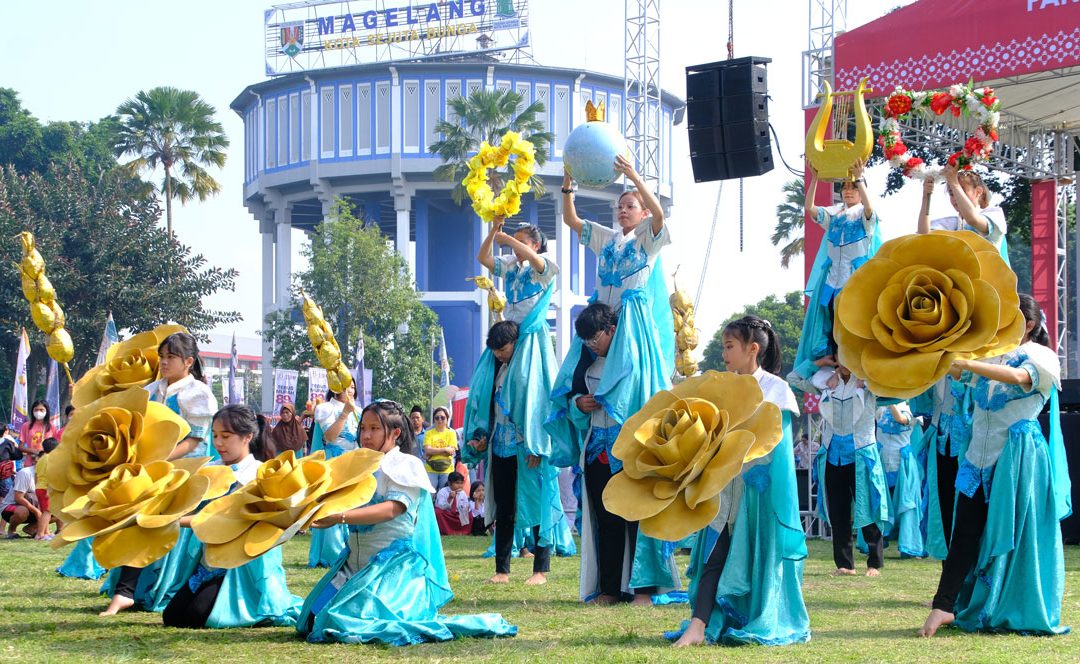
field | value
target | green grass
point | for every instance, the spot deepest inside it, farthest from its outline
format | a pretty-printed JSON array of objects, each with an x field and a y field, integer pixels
[{"x": 44, "y": 617}]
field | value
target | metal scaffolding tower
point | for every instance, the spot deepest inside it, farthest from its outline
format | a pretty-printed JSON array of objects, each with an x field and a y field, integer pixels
[
  {"x": 826, "y": 18},
  {"x": 642, "y": 87}
]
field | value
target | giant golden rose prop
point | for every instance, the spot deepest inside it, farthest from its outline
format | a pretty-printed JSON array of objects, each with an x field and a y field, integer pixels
[
  {"x": 286, "y": 496},
  {"x": 920, "y": 303},
  {"x": 121, "y": 428},
  {"x": 130, "y": 363},
  {"x": 684, "y": 446},
  {"x": 133, "y": 515}
]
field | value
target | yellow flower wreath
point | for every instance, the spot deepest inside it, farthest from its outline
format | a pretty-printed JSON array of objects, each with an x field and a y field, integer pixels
[{"x": 508, "y": 202}]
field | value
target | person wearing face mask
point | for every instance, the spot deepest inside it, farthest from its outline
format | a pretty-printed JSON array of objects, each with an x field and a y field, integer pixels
[
  {"x": 35, "y": 431},
  {"x": 391, "y": 581},
  {"x": 254, "y": 594}
]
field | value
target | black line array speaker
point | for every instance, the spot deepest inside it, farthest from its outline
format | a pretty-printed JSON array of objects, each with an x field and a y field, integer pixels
[{"x": 727, "y": 112}]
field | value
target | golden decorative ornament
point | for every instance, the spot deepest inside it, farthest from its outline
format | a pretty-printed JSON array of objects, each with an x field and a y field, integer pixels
[
  {"x": 833, "y": 158},
  {"x": 686, "y": 335},
  {"x": 684, "y": 446},
  {"x": 496, "y": 300},
  {"x": 134, "y": 513},
  {"x": 326, "y": 347},
  {"x": 921, "y": 302},
  {"x": 508, "y": 203},
  {"x": 44, "y": 309},
  {"x": 129, "y": 363},
  {"x": 287, "y": 495}
]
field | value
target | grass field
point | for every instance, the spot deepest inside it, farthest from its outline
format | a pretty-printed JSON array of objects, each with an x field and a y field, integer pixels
[{"x": 46, "y": 618}]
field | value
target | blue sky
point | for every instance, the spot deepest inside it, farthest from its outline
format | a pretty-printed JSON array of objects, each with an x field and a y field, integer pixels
[{"x": 79, "y": 60}]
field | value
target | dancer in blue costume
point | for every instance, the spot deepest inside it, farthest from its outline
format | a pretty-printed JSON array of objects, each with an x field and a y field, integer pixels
[
  {"x": 848, "y": 464},
  {"x": 80, "y": 563},
  {"x": 852, "y": 237},
  {"x": 584, "y": 422},
  {"x": 508, "y": 397},
  {"x": 391, "y": 581},
  {"x": 899, "y": 441},
  {"x": 747, "y": 565},
  {"x": 184, "y": 390},
  {"x": 254, "y": 594},
  {"x": 970, "y": 197},
  {"x": 1005, "y": 571},
  {"x": 947, "y": 441},
  {"x": 334, "y": 434}
]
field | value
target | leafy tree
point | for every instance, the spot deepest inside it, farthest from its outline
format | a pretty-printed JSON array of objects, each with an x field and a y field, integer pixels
[
  {"x": 485, "y": 116},
  {"x": 786, "y": 317},
  {"x": 104, "y": 252},
  {"x": 790, "y": 219},
  {"x": 174, "y": 129},
  {"x": 364, "y": 287}
]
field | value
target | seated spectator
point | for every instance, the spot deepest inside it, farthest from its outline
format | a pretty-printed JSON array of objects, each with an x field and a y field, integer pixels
[
  {"x": 19, "y": 506},
  {"x": 288, "y": 434},
  {"x": 452, "y": 508},
  {"x": 9, "y": 454},
  {"x": 476, "y": 509},
  {"x": 41, "y": 491}
]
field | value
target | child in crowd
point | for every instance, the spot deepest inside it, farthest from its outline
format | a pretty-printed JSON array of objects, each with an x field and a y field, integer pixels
[
  {"x": 41, "y": 490},
  {"x": 35, "y": 431},
  {"x": 477, "y": 493},
  {"x": 452, "y": 507},
  {"x": 19, "y": 505}
]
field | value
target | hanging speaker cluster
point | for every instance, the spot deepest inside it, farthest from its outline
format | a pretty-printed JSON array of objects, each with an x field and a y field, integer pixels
[{"x": 727, "y": 112}]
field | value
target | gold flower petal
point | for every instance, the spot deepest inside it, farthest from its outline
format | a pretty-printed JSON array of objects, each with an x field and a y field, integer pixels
[
  {"x": 348, "y": 497},
  {"x": 723, "y": 468},
  {"x": 183, "y": 501},
  {"x": 261, "y": 538},
  {"x": 635, "y": 500},
  {"x": 82, "y": 528},
  {"x": 678, "y": 520},
  {"x": 134, "y": 546},
  {"x": 767, "y": 426},
  {"x": 221, "y": 480},
  {"x": 875, "y": 276},
  {"x": 227, "y": 555}
]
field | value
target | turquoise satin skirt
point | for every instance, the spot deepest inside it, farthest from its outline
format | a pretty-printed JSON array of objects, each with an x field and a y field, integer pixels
[
  {"x": 256, "y": 594},
  {"x": 908, "y": 506},
  {"x": 80, "y": 563},
  {"x": 391, "y": 601},
  {"x": 871, "y": 490},
  {"x": 327, "y": 543},
  {"x": 1019, "y": 580},
  {"x": 160, "y": 580}
]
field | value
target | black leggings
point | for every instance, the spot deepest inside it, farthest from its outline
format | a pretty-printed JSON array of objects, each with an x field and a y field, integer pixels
[
  {"x": 964, "y": 549},
  {"x": 840, "y": 492},
  {"x": 192, "y": 609},
  {"x": 946, "y": 489},
  {"x": 504, "y": 479},
  {"x": 129, "y": 578},
  {"x": 610, "y": 530},
  {"x": 709, "y": 580}
]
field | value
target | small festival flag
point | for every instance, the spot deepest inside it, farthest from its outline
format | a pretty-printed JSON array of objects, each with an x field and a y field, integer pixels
[
  {"x": 236, "y": 389},
  {"x": 108, "y": 338},
  {"x": 19, "y": 403}
]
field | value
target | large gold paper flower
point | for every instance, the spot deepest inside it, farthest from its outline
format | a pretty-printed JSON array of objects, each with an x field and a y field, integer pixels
[
  {"x": 684, "y": 446},
  {"x": 133, "y": 514},
  {"x": 286, "y": 496},
  {"x": 920, "y": 303},
  {"x": 130, "y": 363},
  {"x": 121, "y": 428}
]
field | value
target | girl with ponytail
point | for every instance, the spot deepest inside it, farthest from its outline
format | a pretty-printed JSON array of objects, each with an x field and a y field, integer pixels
[
  {"x": 1005, "y": 568},
  {"x": 254, "y": 594},
  {"x": 748, "y": 561},
  {"x": 183, "y": 389}
]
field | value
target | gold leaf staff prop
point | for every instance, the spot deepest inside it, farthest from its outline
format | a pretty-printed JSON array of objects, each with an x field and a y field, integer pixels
[
  {"x": 496, "y": 300},
  {"x": 686, "y": 335},
  {"x": 44, "y": 309},
  {"x": 326, "y": 347}
]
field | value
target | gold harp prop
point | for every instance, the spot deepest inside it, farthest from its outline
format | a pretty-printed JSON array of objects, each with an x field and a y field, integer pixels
[{"x": 833, "y": 158}]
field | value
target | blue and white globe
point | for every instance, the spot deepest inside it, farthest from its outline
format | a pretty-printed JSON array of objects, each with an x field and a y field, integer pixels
[{"x": 590, "y": 151}]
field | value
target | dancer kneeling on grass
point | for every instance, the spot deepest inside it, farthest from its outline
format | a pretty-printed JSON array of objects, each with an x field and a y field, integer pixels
[
  {"x": 183, "y": 389},
  {"x": 254, "y": 594},
  {"x": 391, "y": 582},
  {"x": 747, "y": 565},
  {"x": 1005, "y": 571},
  {"x": 335, "y": 434},
  {"x": 848, "y": 464}
]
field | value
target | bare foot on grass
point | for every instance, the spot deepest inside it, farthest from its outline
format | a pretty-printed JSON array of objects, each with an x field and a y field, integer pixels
[
  {"x": 537, "y": 579},
  {"x": 693, "y": 636},
  {"x": 844, "y": 571},
  {"x": 119, "y": 603},
  {"x": 641, "y": 600},
  {"x": 873, "y": 571},
  {"x": 603, "y": 600},
  {"x": 500, "y": 578},
  {"x": 936, "y": 619}
]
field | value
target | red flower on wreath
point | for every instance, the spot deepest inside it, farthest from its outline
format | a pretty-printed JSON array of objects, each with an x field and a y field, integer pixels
[
  {"x": 972, "y": 146},
  {"x": 954, "y": 158},
  {"x": 895, "y": 150},
  {"x": 898, "y": 105},
  {"x": 911, "y": 164},
  {"x": 988, "y": 98},
  {"x": 940, "y": 102},
  {"x": 992, "y": 134}
]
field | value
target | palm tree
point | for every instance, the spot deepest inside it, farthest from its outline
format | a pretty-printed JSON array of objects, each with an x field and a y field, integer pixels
[
  {"x": 485, "y": 116},
  {"x": 175, "y": 129},
  {"x": 790, "y": 219}
]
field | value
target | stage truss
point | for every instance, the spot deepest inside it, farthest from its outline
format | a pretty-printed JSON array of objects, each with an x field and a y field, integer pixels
[{"x": 643, "y": 112}]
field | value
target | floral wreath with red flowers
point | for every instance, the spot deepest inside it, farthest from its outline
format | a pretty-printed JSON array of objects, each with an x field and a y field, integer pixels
[{"x": 960, "y": 99}]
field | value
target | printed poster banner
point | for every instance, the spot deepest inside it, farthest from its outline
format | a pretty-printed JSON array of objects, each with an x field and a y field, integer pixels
[
  {"x": 284, "y": 388},
  {"x": 317, "y": 385}
]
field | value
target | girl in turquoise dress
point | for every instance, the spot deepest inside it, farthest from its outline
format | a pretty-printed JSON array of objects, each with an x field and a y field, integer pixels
[
  {"x": 508, "y": 397},
  {"x": 184, "y": 390},
  {"x": 1005, "y": 571},
  {"x": 639, "y": 362},
  {"x": 900, "y": 444},
  {"x": 947, "y": 441},
  {"x": 852, "y": 237},
  {"x": 254, "y": 594},
  {"x": 391, "y": 581},
  {"x": 747, "y": 565},
  {"x": 335, "y": 434}
]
